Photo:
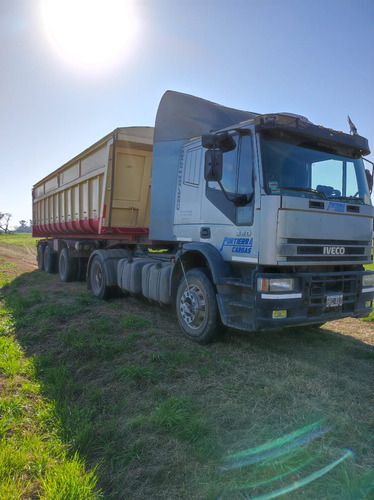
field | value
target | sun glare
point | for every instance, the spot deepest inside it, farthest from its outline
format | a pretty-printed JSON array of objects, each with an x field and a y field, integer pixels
[{"x": 90, "y": 35}]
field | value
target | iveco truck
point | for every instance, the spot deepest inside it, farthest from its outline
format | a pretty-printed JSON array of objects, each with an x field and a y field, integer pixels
[{"x": 251, "y": 221}]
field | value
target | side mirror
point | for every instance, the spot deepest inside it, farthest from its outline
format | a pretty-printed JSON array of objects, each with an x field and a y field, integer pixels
[
  {"x": 226, "y": 142},
  {"x": 369, "y": 178},
  {"x": 222, "y": 141},
  {"x": 208, "y": 141},
  {"x": 213, "y": 165}
]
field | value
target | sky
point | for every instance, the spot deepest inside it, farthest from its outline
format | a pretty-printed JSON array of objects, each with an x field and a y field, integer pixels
[{"x": 74, "y": 70}]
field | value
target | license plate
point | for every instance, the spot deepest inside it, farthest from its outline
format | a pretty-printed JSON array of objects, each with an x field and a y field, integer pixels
[{"x": 334, "y": 300}]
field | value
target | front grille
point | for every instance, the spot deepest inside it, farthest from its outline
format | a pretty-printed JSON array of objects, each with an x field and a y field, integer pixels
[
  {"x": 323, "y": 250},
  {"x": 322, "y": 286},
  {"x": 313, "y": 250}
]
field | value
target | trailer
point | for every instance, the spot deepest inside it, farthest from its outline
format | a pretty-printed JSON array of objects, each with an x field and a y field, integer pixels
[{"x": 256, "y": 222}]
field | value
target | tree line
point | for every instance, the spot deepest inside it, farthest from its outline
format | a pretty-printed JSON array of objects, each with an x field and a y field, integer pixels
[{"x": 23, "y": 227}]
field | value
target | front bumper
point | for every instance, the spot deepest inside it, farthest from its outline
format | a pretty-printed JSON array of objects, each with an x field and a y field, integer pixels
[{"x": 317, "y": 298}]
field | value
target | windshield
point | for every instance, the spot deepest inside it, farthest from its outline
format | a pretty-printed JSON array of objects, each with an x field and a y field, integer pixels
[{"x": 311, "y": 170}]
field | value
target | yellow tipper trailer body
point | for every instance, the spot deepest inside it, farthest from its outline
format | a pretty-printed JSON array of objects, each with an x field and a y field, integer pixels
[{"x": 103, "y": 191}]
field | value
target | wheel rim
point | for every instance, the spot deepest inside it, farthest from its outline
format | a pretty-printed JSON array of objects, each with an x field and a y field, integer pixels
[
  {"x": 97, "y": 275},
  {"x": 192, "y": 307}
]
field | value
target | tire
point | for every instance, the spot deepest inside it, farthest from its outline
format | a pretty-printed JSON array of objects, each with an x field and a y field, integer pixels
[
  {"x": 196, "y": 307},
  {"x": 98, "y": 279},
  {"x": 40, "y": 257},
  {"x": 68, "y": 266},
  {"x": 50, "y": 261}
]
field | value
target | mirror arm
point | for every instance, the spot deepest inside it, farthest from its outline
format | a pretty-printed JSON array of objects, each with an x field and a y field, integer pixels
[
  {"x": 224, "y": 192},
  {"x": 239, "y": 201},
  {"x": 369, "y": 175},
  {"x": 365, "y": 159}
]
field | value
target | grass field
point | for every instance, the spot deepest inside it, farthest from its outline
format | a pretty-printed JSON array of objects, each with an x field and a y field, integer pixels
[
  {"x": 18, "y": 239},
  {"x": 108, "y": 400}
]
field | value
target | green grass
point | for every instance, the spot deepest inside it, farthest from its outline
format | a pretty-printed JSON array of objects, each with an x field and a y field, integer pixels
[
  {"x": 18, "y": 239},
  {"x": 5, "y": 267},
  {"x": 109, "y": 397},
  {"x": 134, "y": 322},
  {"x": 34, "y": 460},
  {"x": 369, "y": 267},
  {"x": 178, "y": 416}
]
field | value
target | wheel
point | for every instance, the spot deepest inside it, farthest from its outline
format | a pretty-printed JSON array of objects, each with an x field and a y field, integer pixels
[
  {"x": 196, "y": 307},
  {"x": 98, "y": 279},
  {"x": 49, "y": 260},
  {"x": 68, "y": 266},
  {"x": 40, "y": 257}
]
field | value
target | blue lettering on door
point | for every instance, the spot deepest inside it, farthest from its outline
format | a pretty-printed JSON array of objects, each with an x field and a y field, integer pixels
[
  {"x": 335, "y": 206},
  {"x": 238, "y": 245}
]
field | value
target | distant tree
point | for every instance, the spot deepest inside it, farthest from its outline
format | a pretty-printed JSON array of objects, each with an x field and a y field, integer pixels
[
  {"x": 23, "y": 227},
  {"x": 4, "y": 222}
]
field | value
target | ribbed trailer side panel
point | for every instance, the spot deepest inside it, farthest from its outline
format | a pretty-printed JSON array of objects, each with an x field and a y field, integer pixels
[{"x": 103, "y": 191}]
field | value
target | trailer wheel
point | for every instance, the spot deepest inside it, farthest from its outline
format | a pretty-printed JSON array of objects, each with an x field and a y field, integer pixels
[
  {"x": 67, "y": 266},
  {"x": 50, "y": 261},
  {"x": 98, "y": 279},
  {"x": 40, "y": 257},
  {"x": 196, "y": 307}
]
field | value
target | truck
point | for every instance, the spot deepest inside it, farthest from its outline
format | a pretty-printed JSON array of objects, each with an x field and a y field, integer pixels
[{"x": 233, "y": 218}]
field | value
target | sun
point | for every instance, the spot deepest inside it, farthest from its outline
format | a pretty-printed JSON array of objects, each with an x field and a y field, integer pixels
[{"x": 90, "y": 35}]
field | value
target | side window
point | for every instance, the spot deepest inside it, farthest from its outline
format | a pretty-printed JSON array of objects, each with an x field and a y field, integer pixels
[
  {"x": 192, "y": 166},
  {"x": 237, "y": 178},
  {"x": 237, "y": 168},
  {"x": 352, "y": 188},
  {"x": 229, "y": 171}
]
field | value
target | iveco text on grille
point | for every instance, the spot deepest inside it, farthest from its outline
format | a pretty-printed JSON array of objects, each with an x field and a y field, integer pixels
[{"x": 333, "y": 250}]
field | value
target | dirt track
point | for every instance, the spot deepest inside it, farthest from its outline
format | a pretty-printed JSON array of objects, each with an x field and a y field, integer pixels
[{"x": 24, "y": 258}]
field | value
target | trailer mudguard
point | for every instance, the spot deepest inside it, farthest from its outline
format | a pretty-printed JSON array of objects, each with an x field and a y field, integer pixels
[{"x": 109, "y": 259}]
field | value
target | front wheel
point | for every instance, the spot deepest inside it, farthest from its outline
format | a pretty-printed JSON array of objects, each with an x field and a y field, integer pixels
[{"x": 196, "y": 307}]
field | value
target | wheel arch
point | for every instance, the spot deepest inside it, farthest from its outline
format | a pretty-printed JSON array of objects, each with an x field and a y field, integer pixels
[{"x": 199, "y": 255}]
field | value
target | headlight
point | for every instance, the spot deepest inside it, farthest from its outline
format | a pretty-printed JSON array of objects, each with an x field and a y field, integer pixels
[
  {"x": 275, "y": 284},
  {"x": 368, "y": 280}
]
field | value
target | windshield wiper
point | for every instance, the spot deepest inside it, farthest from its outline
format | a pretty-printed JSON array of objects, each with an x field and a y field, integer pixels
[{"x": 305, "y": 189}]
